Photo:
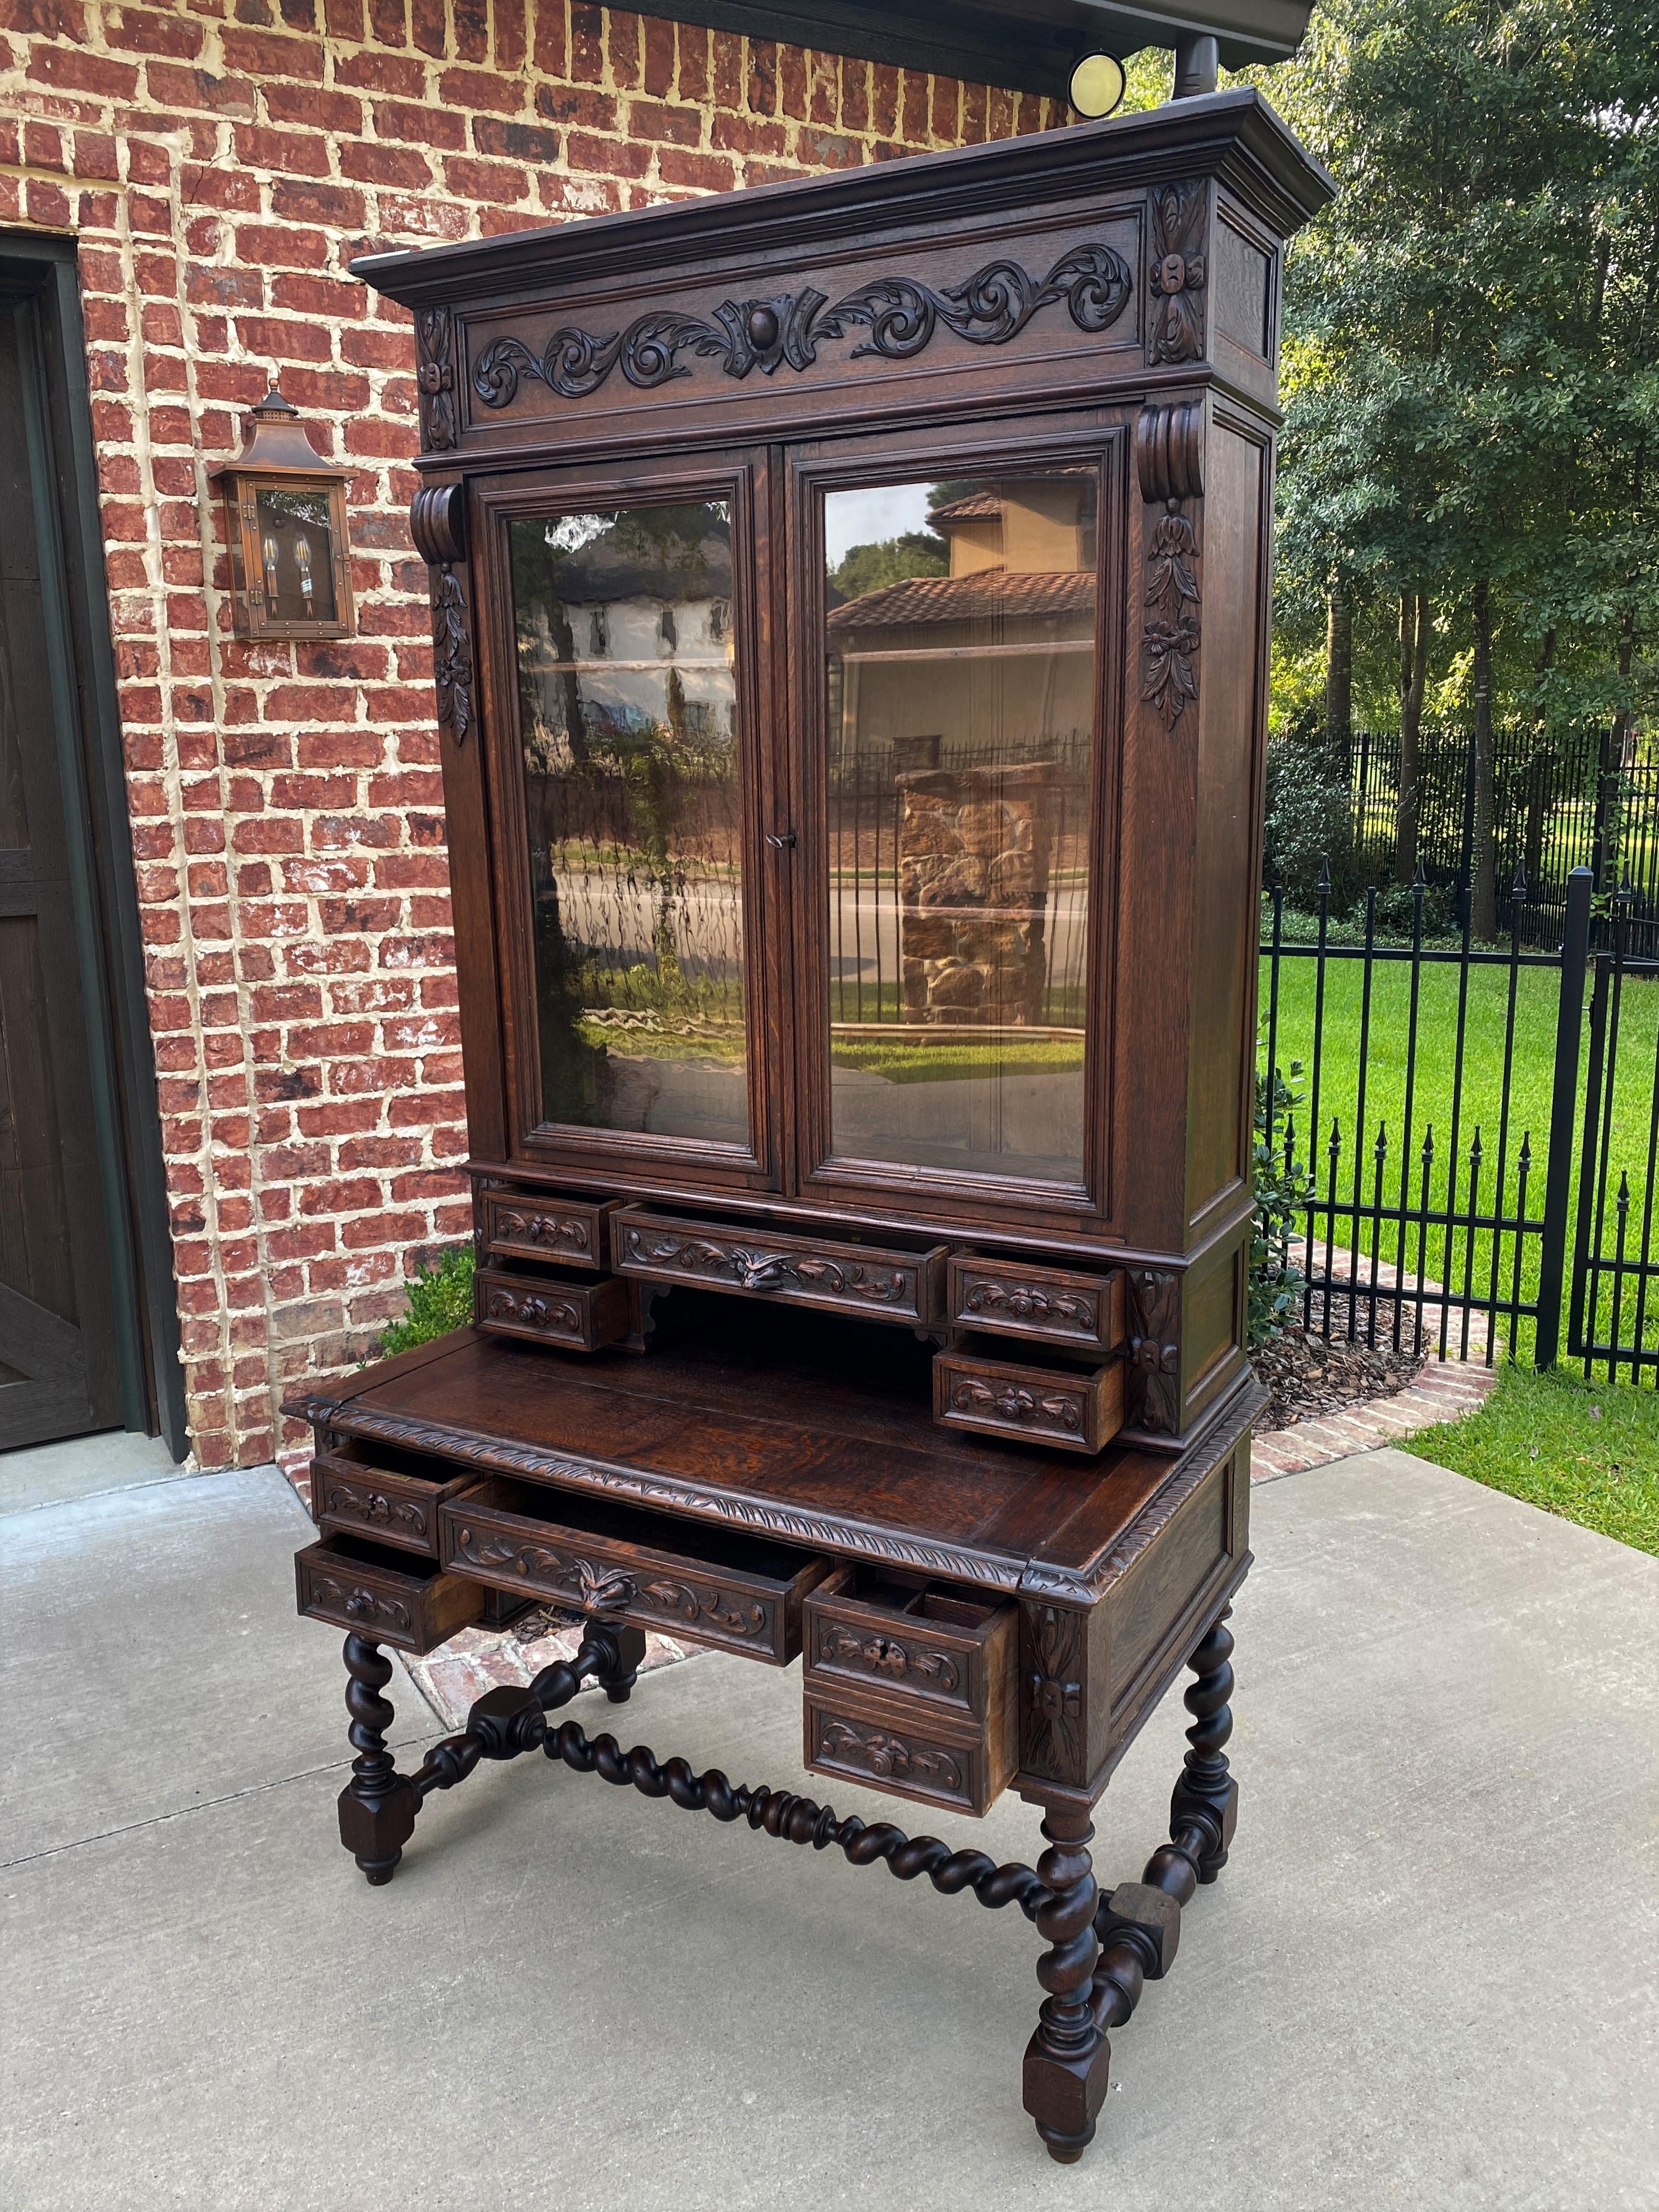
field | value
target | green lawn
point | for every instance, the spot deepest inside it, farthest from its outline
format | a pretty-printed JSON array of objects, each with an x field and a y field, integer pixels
[
  {"x": 1387, "y": 1046},
  {"x": 1589, "y": 1451}
]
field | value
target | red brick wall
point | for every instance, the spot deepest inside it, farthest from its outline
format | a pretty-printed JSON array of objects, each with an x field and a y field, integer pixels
[{"x": 221, "y": 162}]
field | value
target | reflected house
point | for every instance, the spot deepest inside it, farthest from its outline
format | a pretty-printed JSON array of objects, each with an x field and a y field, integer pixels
[
  {"x": 999, "y": 653},
  {"x": 627, "y": 691}
]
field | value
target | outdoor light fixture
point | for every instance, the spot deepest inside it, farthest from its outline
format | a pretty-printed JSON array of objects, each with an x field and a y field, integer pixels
[
  {"x": 1097, "y": 85},
  {"x": 285, "y": 522}
]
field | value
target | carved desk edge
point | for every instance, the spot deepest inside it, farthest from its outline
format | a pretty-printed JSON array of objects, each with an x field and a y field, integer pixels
[{"x": 844, "y": 1535}]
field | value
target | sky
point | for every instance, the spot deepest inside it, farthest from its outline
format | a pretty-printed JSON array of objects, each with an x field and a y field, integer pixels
[{"x": 866, "y": 517}]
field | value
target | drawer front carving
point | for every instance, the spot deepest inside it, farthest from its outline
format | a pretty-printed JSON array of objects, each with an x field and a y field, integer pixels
[
  {"x": 337, "y": 1581},
  {"x": 795, "y": 1270},
  {"x": 839, "y": 1648},
  {"x": 1043, "y": 1406},
  {"x": 947, "y": 1650},
  {"x": 1047, "y": 1305},
  {"x": 621, "y": 1581},
  {"x": 354, "y": 1499},
  {"x": 899, "y": 1754},
  {"x": 583, "y": 1316},
  {"x": 573, "y": 1231}
]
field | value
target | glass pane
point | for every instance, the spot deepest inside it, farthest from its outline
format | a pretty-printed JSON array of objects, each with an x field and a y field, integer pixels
[
  {"x": 961, "y": 689},
  {"x": 627, "y": 707},
  {"x": 296, "y": 553}
]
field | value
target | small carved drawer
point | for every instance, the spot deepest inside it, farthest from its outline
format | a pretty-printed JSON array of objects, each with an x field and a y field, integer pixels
[
  {"x": 804, "y": 1271},
  {"x": 385, "y": 1595},
  {"x": 582, "y": 1316},
  {"x": 1074, "y": 1408},
  {"x": 912, "y": 1690},
  {"x": 573, "y": 1232},
  {"x": 1048, "y": 1305},
  {"x": 620, "y": 1563},
  {"x": 353, "y": 1497}
]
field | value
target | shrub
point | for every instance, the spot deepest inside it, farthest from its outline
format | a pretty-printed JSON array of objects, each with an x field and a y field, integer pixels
[
  {"x": 440, "y": 1299},
  {"x": 1309, "y": 820},
  {"x": 1282, "y": 1193}
]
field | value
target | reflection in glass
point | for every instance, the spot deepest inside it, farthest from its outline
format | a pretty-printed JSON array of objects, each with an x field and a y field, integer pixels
[
  {"x": 628, "y": 710},
  {"x": 961, "y": 690},
  {"x": 296, "y": 546}
]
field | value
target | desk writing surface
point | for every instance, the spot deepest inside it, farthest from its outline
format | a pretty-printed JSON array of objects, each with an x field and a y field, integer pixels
[{"x": 750, "y": 1406}]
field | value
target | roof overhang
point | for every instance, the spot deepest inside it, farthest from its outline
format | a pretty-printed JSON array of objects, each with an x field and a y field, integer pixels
[{"x": 1028, "y": 46}]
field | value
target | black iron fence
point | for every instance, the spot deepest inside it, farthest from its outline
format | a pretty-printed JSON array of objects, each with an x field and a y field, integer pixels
[
  {"x": 1582, "y": 795},
  {"x": 1460, "y": 1190}
]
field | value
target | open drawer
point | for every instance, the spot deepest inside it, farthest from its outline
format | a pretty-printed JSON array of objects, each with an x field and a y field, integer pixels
[
  {"x": 621, "y": 1563},
  {"x": 912, "y": 1688},
  {"x": 384, "y": 1594},
  {"x": 378, "y": 1492}
]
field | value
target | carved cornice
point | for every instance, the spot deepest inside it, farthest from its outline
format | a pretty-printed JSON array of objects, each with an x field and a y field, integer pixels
[{"x": 901, "y": 314}]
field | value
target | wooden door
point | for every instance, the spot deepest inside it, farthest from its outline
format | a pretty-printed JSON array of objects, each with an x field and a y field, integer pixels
[{"x": 59, "y": 1372}]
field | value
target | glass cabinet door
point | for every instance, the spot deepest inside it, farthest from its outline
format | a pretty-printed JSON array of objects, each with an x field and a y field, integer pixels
[
  {"x": 959, "y": 623},
  {"x": 628, "y": 724}
]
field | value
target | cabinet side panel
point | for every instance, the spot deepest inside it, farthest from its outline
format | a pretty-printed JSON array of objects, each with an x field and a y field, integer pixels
[{"x": 1228, "y": 770}]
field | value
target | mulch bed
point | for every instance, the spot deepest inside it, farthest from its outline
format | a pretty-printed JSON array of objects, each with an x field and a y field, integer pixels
[{"x": 1309, "y": 1375}]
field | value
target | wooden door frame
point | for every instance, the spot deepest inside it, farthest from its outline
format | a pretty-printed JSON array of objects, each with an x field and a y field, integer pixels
[{"x": 44, "y": 269}]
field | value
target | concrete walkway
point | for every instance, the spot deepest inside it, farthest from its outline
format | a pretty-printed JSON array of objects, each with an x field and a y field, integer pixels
[{"x": 1429, "y": 1977}]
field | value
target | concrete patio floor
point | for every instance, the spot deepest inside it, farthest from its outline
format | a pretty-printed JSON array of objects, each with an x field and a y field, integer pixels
[{"x": 1428, "y": 1976}]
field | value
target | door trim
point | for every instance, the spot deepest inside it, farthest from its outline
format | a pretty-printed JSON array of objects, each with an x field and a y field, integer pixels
[{"x": 44, "y": 269}]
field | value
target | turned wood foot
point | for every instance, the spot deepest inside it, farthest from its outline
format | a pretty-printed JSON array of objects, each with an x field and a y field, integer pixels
[
  {"x": 618, "y": 1682},
  {"x": 1067, "y": 2059},
  {"x": 378, "y": 1805}
]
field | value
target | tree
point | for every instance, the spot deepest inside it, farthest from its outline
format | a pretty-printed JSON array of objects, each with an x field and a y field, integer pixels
[{"x": 1472, "y": 358}]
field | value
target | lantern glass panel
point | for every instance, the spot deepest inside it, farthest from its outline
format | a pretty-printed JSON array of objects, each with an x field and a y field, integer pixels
[{"x": 296, "y": 553}]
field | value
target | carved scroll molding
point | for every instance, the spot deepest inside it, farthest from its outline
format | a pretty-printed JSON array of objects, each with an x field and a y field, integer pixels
[
  {"x": 434, "y": 378},
  {"x": 1169, "y": 461},
  {"x": 1053, "y": 1715},
  {"x": 1154, "y": 1367},
  {"x": 437, "y": 522},
  {"x": 1176, "y": 276},
  {"x": 543, "y": 1229},
  {"x": 901, "y": 314}
]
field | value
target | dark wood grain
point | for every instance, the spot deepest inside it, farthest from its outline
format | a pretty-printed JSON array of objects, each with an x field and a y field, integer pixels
[{"x": 1001, "y": 1529}]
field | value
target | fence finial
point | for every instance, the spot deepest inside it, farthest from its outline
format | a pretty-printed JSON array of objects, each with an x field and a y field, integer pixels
[{"x": 1518, "y": 887}]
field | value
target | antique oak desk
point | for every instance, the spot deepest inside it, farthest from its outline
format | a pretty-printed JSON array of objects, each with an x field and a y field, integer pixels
[{"x": 850, "y": 618}]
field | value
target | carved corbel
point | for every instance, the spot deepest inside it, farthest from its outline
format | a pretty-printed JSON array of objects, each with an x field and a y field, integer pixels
[
  {"x": 1169, "y": 461},
  {"x": 437, "y": 522}
]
